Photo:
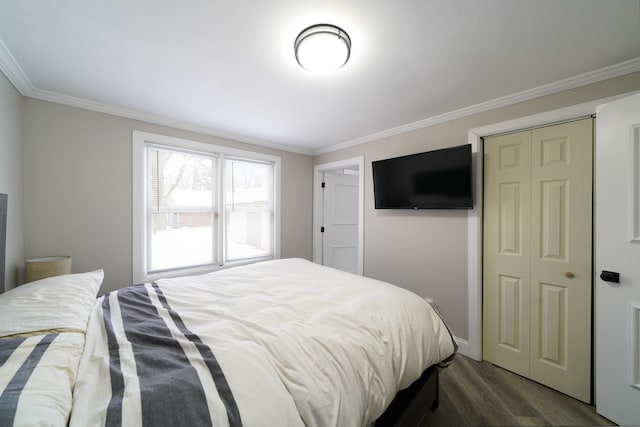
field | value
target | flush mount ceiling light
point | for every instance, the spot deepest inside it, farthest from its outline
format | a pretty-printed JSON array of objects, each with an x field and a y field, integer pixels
[{"x": 322, "y": 48}]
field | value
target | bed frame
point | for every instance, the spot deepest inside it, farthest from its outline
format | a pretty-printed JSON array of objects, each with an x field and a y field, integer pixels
[{"x": 410, "y": 405}]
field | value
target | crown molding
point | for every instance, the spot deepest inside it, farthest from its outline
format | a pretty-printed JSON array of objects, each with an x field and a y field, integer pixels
[
  {"x": 10, "y": 67},
  {"x": 595, "y": 76},
  {"x": 154, "y": 119}
]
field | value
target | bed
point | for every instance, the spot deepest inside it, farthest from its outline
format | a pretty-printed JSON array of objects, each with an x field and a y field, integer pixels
[{"x": 277, "y": 343}]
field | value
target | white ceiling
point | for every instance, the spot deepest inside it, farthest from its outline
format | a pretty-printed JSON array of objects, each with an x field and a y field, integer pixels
[{"x": 226, "y": 67}]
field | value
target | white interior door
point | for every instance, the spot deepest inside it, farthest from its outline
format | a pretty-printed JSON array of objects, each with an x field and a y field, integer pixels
[
  {"x": 340, "y": 221},
  {"x": 617, "y": 237}
]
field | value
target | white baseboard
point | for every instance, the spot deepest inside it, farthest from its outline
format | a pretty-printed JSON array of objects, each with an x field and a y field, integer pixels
[{"x": 463, "y": 346}]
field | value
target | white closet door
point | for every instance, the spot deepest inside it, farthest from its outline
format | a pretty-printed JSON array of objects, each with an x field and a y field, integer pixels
[
  {"x": 561, "y": 253},
  {"x": 507, "y": 251},
  {"x": 537, "y": 255}
]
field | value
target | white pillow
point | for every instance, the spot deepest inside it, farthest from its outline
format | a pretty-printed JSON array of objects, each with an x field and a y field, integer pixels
[{"x": 58, "y": 304}]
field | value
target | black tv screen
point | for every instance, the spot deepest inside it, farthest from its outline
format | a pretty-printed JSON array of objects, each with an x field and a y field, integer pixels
[{"x": 439, "y": 179}]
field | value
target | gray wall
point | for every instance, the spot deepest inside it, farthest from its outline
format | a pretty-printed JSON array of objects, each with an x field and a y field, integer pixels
[
  {"x": 426, "y": 251},
  {"x": 77, "y": 193},
  {"x": 11, "y": 163},
  {"x": 78, "y": 188}
]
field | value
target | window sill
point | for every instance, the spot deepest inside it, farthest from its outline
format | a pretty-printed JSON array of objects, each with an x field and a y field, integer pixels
[{"x": 197, "y": 271}]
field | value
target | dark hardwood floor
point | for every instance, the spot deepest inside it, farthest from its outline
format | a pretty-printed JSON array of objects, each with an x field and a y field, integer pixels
[{"x": 480, "y": 394}]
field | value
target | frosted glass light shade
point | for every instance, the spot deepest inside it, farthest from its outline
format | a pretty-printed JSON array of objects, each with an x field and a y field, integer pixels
[{"x": 322, "y": 48}]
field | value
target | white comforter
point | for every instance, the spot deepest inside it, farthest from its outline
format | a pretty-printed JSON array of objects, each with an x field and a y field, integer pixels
[{"x": 287, "y": 343}]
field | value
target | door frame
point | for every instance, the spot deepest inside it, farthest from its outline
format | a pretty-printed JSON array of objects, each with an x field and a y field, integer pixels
[
  {"x": 473, "y": 347},
  {"x": 318, "y": 205}
]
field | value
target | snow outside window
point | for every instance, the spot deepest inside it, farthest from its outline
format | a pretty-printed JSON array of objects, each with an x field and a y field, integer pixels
[{"x": 198, "y": 207}]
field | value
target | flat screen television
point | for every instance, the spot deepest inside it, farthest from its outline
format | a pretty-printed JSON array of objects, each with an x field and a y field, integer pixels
[{"x": 438, "y": 179}]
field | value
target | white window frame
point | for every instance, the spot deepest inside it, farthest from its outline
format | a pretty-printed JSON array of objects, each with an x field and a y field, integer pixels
[
  {"x": 140, "y": 140},
  {"x": 224, "y": 244}
]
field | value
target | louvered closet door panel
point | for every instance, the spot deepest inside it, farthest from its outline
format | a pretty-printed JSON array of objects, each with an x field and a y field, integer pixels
[
  {"x": 507, "y": 251},
  {"x": 561, "y": 203}
]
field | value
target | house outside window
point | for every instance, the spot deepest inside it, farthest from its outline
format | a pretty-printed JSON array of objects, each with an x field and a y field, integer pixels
[{"x": 198, "y": 207}]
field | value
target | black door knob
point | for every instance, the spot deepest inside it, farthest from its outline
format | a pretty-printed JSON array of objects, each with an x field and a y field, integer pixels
[{"x": 610, "y": 276}]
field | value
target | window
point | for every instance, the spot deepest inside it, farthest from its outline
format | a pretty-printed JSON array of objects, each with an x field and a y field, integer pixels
[
  {"x": 181, "y": 211},
  {"x": 198, "y": 206},
  {"x": 249, "y": 209}
]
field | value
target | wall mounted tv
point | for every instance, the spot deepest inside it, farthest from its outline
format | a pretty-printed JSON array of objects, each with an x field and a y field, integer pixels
[{"x": 439, "y": 179}]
